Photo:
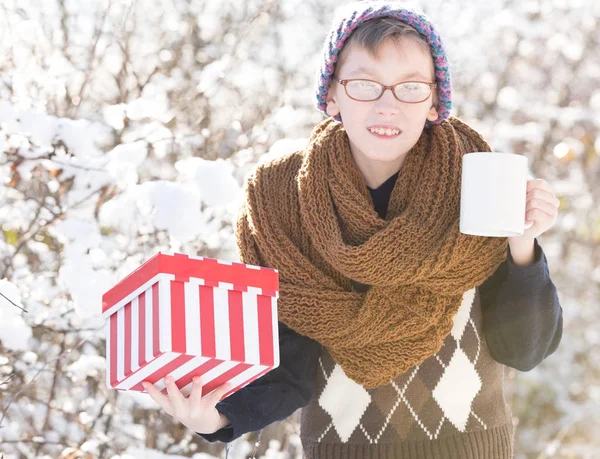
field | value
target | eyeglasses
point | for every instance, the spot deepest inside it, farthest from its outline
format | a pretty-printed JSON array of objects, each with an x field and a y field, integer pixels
[{"x": 410, "y": 92}]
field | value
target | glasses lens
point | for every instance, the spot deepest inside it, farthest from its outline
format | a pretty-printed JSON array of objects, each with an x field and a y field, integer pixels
[
  {"x": 363, "y": 89},
  {"x": 412, "y": 91}
]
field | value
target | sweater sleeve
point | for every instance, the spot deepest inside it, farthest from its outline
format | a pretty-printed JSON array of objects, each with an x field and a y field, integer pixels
[
  {"x": 275, "y": 395},
  {"x": 522, "y": 316}
]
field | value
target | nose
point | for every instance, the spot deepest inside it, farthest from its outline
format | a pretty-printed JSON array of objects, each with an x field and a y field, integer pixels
[{"x": 387, "y": 104}]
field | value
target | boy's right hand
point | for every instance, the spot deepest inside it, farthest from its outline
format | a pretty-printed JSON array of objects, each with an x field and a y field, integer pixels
[{"x": 196, "y": 413}]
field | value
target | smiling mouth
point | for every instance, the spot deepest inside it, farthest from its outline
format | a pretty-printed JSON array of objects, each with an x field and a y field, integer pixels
[{"x": 385, "y": 133}]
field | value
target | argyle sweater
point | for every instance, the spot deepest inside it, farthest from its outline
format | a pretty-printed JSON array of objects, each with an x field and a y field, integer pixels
[{"x": 451, "y": 405}]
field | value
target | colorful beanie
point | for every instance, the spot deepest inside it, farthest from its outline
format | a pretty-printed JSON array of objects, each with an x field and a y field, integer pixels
[{"x": 353, "y": 15}]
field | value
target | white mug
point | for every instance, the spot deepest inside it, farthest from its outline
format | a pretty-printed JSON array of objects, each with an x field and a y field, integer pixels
[{"x": 493, "y": 194}]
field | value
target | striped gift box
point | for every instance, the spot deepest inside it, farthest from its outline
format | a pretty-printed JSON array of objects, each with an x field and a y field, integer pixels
[{"x": 188, "y": 316}]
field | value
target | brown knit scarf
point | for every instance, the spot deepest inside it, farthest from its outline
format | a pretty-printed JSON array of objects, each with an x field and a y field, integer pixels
[{"x": 310, "y": 215}]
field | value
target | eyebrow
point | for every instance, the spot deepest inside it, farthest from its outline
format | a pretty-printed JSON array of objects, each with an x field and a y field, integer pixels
[{"x": 366, "y": 71}]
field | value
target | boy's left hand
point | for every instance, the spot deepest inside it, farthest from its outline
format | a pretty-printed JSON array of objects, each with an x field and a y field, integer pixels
[{"x": 541, "y": 208}]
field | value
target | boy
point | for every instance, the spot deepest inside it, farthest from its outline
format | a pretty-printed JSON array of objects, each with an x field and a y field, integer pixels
[{"x": 394, "y": 326}]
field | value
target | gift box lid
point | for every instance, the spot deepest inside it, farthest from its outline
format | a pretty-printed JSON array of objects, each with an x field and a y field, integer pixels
[{"x": 213, "y": 272}]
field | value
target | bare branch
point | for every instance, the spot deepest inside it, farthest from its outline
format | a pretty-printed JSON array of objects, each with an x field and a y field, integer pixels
[
  {"x": 91, "y": 58},
  {"x": 13, "y": 303}
]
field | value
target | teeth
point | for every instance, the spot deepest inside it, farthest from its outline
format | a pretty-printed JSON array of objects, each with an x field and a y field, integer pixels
[{"x": 381, "y": 131}]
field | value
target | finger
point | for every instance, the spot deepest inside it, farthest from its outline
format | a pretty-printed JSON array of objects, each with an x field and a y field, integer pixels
[
  {"x": 544, "y": 195},
  {"x": 175, "y": 395},
  {"x": 220, "y": 392},
  {"x": 196, "y": 393},
  {"x": 538, "y": 216},
  {"x": 158, "y": 397},
  {"x": 538, "y": 184},
  {"x": 540, "y": 204}
]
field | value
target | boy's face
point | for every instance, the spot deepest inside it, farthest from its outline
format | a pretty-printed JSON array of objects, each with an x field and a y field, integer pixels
[{"x": 397, "y": 61}]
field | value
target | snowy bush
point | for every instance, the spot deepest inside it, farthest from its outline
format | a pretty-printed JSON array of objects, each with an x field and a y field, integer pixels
[{"x": 129, "y": 127}]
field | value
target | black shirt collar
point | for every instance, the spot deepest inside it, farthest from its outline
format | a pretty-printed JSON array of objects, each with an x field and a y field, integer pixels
[{"x": 381, "y": 195}]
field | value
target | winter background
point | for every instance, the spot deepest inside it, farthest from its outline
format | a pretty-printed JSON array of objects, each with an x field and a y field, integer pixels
[{"x": 129, "y": 127}]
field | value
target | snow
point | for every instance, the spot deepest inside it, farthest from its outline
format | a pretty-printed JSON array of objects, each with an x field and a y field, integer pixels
[
  {"x": 281, "y": 148},
  {"x": 215, "y": 181},
  {"x": 212, "y": 74},
  {"x": 114, "y": 115},
  {"x": 164, "y": 205},
  {"x": 77, "y": 233},
  {"x": 139, "y": 109},
  {"x": 508, "y": 98},
  {"x": 14, "y": 331},
  {"x": 87, "y": 365},
  {"x": 124, "y": 162},
  {"x": 182, "y": 100}
]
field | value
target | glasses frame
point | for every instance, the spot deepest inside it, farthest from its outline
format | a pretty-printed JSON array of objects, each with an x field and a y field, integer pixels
[{"x": 432, "y": 86}]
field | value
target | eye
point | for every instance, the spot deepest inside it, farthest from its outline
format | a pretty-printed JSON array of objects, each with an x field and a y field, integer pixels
[
  {"x": 364, "y": 84},
  {"x": 363, "y": 89},
  {"x": 413, "y": 91}
]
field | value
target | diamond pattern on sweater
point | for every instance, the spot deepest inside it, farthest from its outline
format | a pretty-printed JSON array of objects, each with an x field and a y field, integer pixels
[
  {"x": 457, "y": 389},
  {"x": 334, "y": 400},
  {"x": 470, "y": 336},
  {"x": 461, "y": 318},
  {"x": 447, "y": 393}
]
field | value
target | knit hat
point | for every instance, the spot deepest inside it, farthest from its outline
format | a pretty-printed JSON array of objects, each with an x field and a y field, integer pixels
[{"x": 352, "y": 15}]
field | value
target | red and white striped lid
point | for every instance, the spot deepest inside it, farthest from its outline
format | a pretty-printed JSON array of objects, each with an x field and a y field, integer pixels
[{"x": 207, "y": 271}]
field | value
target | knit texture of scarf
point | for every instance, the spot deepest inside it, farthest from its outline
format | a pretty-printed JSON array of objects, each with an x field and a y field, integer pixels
[{"x": 310, "y": 216}]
